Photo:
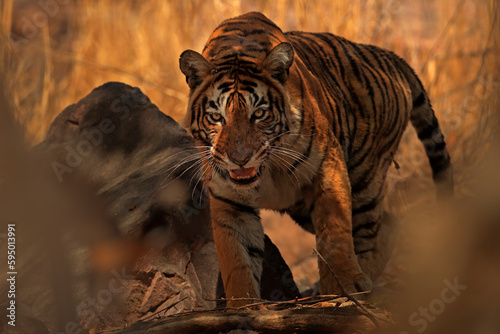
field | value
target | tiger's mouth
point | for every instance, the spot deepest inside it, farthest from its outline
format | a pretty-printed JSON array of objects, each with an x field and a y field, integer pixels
[{"x": 244, "y": 176}]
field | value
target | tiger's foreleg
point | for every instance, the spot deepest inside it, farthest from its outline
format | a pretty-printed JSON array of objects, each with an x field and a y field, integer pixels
[
  {"x": 332, "y": 218},
  {"x": 239, "y": 241}
]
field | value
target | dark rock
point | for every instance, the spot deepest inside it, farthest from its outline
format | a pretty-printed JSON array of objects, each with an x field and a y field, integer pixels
[
  {"x": 140, "y": 163},
  {"x": 158, "y": 289},
  {"x": 126, "y": 146},
  {"x": 137, "y": 159}
]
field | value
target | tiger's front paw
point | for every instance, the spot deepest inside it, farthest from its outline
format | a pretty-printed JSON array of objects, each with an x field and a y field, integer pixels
[{"x": 352, "y": 282}]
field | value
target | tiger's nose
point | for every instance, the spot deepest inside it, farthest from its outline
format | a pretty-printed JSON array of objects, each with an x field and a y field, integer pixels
[{"x": 240, "y": 156}]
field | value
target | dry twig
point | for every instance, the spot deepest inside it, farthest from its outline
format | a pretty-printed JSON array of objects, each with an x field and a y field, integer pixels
[
  {"x": 344, "y": 293},
  {"x": 164, "y": 310}
]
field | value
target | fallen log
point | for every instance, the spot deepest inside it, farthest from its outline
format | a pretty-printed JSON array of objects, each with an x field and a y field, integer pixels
[{"x": 347, "y": 319}]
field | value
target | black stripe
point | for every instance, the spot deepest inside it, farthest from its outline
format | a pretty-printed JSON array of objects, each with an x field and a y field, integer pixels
[
  {"x": 305, "y": 156},
  {"x": 198, "y": 110},
  {"x": 328, "y": 39},
  {"x": 365, "y": 251},
  {"x": 379, "y": 67},
  {"x": 248, "y": 83},
  {"x": 267, "y": 22},
  {"x": 371, "y": 69},
  {"x": 214, "y": 39},
  {"x": 373, "y": 234},
  {"x": 367, "y": 225},
  {"x": 261, "y": 152},
  {"x": 372, "y": 204},
  {"x": 240, "y": 207},
  {"x": 435, "y": 147},
  {"x": 256, "y": 278},
  {"x": 254, "y": 251},
  {"x": 229, "y": 25},
  {"x": 392, "y": 130},
  {"x": 364, "y": 180},
  {"x": 216, "y": 149},
  {"x": 229, "y": 227},
  {"x": 352, "y": 133},
  {"x": 255, "y": 49},
  {"x": 337, "y": 65},
  {"x": 212, "y": 104},
  {"x": 331, "y": 88},
  {"x": 353, "y": 63},
  {"x": 258, "y": 32},
  {"x": 439, "y": 163},
  {"x": 427, "y": 131},
  {"x": 231, "y": 56},
  {"x": 220, "y": 76},
  {"x": 323, "y": 158},
  {"x": 368, "y": 70},
  {"x": 420, "y": 100},
  {"x": 226, "y": 86},
  {"x": 196, "y": 135},
  {"x": 272, "y": 129},
  {"x": 396, "y": 95}
]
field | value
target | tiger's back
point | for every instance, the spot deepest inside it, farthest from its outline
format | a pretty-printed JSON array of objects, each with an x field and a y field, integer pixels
[
  {"x": 367, "y": 101},
  {"x": 370, "y": 93}
]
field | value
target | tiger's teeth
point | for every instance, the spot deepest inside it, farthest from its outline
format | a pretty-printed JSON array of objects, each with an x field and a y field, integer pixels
[{"x": 243, "y": 173}]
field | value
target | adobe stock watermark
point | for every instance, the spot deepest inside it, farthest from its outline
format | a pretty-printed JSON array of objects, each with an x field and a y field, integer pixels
[
  {"x": 383, "y": 19},
  {"x": 103, "y": 298},
  {"x": 33, "y": 24},
  {"x": 74, "y": 156},
  {"x": 420, "y": 319},
  {"x": 199, "y": 201},
  {"x": 94, "y": 137}
]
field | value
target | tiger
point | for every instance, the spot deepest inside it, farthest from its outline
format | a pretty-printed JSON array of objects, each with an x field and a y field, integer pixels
[{"x": 305, "y": 124}]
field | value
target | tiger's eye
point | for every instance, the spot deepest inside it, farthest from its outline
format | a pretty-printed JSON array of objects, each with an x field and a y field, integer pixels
[
  {"x": 259, "y": 114},
  {"x": 215, "y": 117}
]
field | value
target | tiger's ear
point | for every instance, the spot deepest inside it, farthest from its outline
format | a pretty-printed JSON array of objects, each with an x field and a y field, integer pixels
[
  {"x": 194, "y": 67},
  {"x": 278, "y": 61}
]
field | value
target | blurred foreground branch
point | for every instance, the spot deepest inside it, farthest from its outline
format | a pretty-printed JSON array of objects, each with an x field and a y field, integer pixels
[{"x": 298, "y": 320}]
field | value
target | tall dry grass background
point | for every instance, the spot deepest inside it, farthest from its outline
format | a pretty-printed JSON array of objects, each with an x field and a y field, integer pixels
[
  {"x": 450, "y": 44},
  {"x": 453, "y": 45},
  {"x": 56, "y": 54}
]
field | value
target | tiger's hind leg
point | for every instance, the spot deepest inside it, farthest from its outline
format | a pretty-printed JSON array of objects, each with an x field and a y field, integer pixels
[
  {"x": 374, "y": 242},
  {"x": 373, "y": 228}
]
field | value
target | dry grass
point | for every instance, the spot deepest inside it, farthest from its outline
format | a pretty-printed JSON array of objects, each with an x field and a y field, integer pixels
[{"x": 453, "y": 46}]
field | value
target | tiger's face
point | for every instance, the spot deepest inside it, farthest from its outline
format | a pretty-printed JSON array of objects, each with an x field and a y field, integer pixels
[{"x": 238, "y": 114}]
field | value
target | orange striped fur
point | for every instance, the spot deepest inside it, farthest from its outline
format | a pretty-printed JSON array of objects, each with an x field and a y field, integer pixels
[{"x": 305, "y": 124}]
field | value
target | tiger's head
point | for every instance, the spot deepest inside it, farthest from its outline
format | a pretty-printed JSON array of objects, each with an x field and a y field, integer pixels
[{"x": 238, "y": 110}]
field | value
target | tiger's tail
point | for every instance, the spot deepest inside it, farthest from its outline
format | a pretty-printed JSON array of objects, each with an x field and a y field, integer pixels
[{"x": 424, "y": 121}]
